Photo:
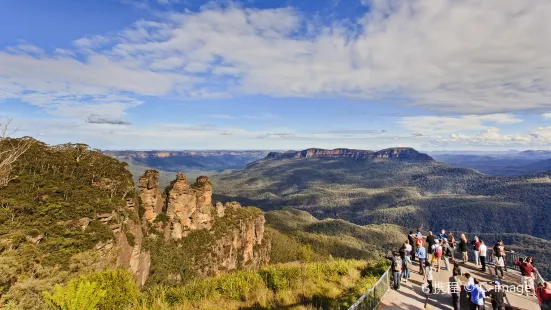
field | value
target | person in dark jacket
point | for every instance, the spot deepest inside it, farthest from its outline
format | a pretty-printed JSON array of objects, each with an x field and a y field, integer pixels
[
  {"x": 411, "y": 240},
  {"x": 431, "y": 240},
  {"x": 497, "y": 295}
]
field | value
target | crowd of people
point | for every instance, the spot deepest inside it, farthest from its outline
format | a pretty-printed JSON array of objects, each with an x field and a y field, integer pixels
[{"x": 436, "y": 253}]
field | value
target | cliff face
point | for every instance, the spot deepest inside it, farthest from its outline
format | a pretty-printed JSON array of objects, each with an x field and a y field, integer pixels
[
  {"x": 242, "y": 246},
  {"x": 150, "y": 194},
  {"x": 397, "y": 153},
  {"x": 211, "y": 238}
]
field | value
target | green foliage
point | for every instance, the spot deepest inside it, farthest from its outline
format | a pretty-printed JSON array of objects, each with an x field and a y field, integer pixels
[
  {"x": 77, "y": 295},
  {"x": 331, "y": 285},
  {"x": 113, "y": 289}
]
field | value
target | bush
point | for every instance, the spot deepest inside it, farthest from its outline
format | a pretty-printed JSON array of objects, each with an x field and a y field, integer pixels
[{"x": 106, "y": 290}]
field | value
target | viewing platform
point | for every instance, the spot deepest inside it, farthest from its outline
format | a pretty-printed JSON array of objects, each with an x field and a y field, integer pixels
[{"x": 411, "y": 295}]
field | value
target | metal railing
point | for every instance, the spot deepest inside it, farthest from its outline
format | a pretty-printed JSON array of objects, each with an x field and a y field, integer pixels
[{"x": 371, "y": 299}]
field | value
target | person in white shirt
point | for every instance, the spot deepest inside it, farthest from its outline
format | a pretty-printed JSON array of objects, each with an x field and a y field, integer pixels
[
  {"x": 409, "y": 248},
  {"x": 482, "y": 253}
]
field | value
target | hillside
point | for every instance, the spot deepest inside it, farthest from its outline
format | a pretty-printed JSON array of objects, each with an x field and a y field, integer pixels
[
  {"x": 413, "y": 193},
  {"x": 68, "y": 210}
]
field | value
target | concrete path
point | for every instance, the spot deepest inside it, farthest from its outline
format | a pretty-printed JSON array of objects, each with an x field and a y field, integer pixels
[{"x": 411, "y": 296}]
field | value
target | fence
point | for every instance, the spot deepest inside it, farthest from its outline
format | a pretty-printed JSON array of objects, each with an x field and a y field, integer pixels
[{"x": 371, "y": 299}]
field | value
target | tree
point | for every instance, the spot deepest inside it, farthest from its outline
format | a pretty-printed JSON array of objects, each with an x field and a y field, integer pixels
[{"x": 10, "y": 151}]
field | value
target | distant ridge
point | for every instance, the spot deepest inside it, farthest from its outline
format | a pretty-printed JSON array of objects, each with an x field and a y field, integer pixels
[{"x": 404, "y": 153}]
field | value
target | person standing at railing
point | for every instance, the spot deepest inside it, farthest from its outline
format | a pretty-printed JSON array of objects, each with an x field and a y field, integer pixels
[
  {"x": 482, "y": 253},
  {"x": 476, "y": 245},
  {"x": 463, "y": 246},
  {"x": 526, "y": 275},
  {"x": 451, "y": 240},
  {"x": 499, "y": 257},
  {"x": 442, "y": 235}
]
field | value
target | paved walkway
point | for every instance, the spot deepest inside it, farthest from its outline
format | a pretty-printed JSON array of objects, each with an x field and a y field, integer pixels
[{"x": 410, "y": 295}]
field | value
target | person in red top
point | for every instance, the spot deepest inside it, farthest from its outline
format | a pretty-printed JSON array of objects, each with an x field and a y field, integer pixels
[
  {"x": 476, "y": 245},
  {"x": 526, "y": 278},
  {"x": 544, "y": 296}
]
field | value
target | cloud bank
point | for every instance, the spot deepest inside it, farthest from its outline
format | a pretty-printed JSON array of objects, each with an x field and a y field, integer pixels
[{"x": 466, "y": 57}]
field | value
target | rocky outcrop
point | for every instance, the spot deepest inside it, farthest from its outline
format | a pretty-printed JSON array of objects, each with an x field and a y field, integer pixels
[
  {"x": 189, "y": 207},
  {"x": 242, "y": 245},
  {"x": 397, "y": 153},
  {"x": 150, "y": 194}
]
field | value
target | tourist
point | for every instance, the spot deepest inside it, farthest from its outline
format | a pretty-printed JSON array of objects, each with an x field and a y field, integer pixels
[
  {"x": 411, "y": 240},
  {"x": 477, "y": 296},
  {"x": 526, "y": 275},
  {"x": 451, "y": 240},
  {"x": 482, "y": 249},
  {"x": 441, "y": 236},
  {"x": 405, "y": 269},
  {"x": 455, "y": 289},
  {"x": 446, "y": 253},
  {"x": 431, "y": 240},
  {"x": 457, "y": 269},
  {"x": 418, "y": 234},
  {"x": 428, "y": 276},
  {"x": 396, "y": 267},
  {"x": 437, "y": 254},
  {"x": 421, "y": 255},
  {"x": 476, "y": 246},
  {"x": 544, "y": 296},
  {"x": 463, "y": 247},
  {"x": 497, "y": 294},
  {"x": 408, "y": 249},
  {"x": 499, "y": 257},
  {"x": 501, "y": 251}
]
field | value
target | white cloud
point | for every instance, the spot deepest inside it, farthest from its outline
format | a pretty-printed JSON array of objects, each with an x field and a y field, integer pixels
[
  {"x": 222, "y": 116},
  {"x": 445, "y": 124},
  {"x": 468, "y": 57},
  {"x": 493, "y": 137},
  {"x": 546, "y": 115}
]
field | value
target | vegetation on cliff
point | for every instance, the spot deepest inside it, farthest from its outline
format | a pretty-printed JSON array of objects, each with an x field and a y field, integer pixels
[{"x": 49, "y": 223}]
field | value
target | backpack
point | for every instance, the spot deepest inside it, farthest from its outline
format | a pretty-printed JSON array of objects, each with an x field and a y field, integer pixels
[
  {"x": 397, "y": 267},
  {"x": 438, "y": 252}
]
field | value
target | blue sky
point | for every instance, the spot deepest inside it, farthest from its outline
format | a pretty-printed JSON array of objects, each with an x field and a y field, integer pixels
[{"x": 262, "y": 74}]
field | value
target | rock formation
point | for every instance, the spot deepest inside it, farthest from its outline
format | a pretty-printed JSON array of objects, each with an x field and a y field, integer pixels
[
  {"x": 229, "y": 237},
  {"x": 150, "y": 194},
  {"x": 189, "y": 207}
]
